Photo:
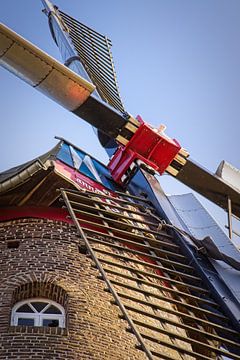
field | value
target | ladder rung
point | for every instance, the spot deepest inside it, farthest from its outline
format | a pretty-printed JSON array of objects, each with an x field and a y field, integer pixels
[
  {"x": 161, "y": 297},
  {"x": 112, "y": 213},
  {"x": 175, "y": 347},
  {"x": 178, "y": 313},
  {"x": 143, "y": 246},
  {"x": 156, "y": 258},
  {"x": 109, "y": 228},
  {"x": 157, "y": 286},
  {"x": 115, "y": 199},
  {"x": 156, "y": 276},
  {"x": 180, "y": 324},
  {"x": 184, "y": 338},
  {"x": 117, "y": 238},
  {"x": 119, "y": 223},
  {"x": 161, "y": 268},
  {"x": 134, "y": 211},
  {"x": 180, "y": 299}
]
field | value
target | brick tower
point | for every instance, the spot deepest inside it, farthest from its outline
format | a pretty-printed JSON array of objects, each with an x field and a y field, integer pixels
[
  {"x": 87, "y": 273},
  {"x": 40, "y": 259}
]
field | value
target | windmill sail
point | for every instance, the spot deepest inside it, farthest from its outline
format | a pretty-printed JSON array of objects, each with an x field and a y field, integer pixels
[
  {"x": 89, "y": 48},
  {"x": 94, "y": 50}
]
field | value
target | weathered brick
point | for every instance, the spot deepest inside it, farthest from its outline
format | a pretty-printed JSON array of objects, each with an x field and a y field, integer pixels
[{"x": 48, "y": 264}]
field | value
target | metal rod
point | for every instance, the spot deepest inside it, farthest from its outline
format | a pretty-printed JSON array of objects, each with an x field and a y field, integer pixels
[
  {"x": 162, "y": 356},
  {"x": 123, "y": 232},
  {"x": 114, "y": 214},
  {"x": 105, "y": 88},
  {"x": 236, "y": 217},
  {"x": 236, "y": 233},
  {"x": 182, "y": 325},
  {"x": 109, "y": 44},
  {"x": 66, "y": 16},
  {"x": 117, "y": 222},
  {"x": 145, "y": 247},
  {"x": 120, "y": 231},
  {"x": 138, "y": 252},
  {"x": 233, "y": 231},
  {"x": 117, "y": 238},
  {"x": 90, "y": 37},
  {"x": 186, "y": 339},
  {"x": 108, "y": 97},
  {"x": 90, "y": 60},
  {"x": 140, "y": 198},
  {"x": 229, "y": 217},
  {"x": 116, "y": 199},
  {"x": 180, "y": 297},
  {"x": 86, "y": 49},
  {"x": 101, "y": 80},
  {"x": 161, "y": 287},
  {"x": 178, "y": 313},
  {"x": 108, "y": 283},
  {"x": 98, "y": 72},
  {"x": 157, "y": 267},
  {"x": 84, "y": 30},
  {"x": 163, "y": 260},
  {"x": 95, "y": 66},
  {"x": 118, "y": 207},
  {"x": 82, "y": 35},
  {"x": 162, "y": 297},
  {"x": 155, "y": 276},
  {"x": 112, "y": 63},
  {"x": 87, "y": 57},
  {"x": 175, "y": 347},
  {"x": 137, "y": 261}
]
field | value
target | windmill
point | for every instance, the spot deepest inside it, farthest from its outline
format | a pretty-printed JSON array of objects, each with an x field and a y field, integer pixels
[
  {"x": 104, "y": 101},
  {"x": 86, "y": 85}
]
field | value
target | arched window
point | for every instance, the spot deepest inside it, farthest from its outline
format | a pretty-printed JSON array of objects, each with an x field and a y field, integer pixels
[{"x": 38, "y": 312}]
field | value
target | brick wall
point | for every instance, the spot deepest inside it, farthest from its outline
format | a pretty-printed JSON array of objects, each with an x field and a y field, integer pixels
[{"x": 41, "y": 258}]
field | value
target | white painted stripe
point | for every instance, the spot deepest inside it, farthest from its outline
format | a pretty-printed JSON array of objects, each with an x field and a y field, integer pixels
[
  {"x": 77, "y": 161},
  {"x": 88, "y": 162}
]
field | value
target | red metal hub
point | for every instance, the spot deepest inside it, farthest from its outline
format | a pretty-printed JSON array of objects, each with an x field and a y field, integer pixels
[{"x": 149, "y": 145}]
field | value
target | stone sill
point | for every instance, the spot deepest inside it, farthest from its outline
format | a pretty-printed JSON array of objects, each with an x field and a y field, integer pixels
[{"x": 38, "y": 330}]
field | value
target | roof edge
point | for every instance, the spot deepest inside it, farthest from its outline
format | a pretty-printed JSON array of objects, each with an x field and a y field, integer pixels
[{"x": 24, "y": 175}]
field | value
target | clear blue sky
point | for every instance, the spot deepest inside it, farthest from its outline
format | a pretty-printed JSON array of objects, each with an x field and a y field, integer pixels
[{"x": 177, "y": 61}]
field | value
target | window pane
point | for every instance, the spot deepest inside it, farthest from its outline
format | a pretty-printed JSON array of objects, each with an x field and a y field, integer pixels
[
  {"x": 39, "y": 306},
  {"x": 50, "y": 322},
  {"x": 52, "y": 310},
  {"x": 26, "y": 322},
  {"x": 25, "y": 308}
]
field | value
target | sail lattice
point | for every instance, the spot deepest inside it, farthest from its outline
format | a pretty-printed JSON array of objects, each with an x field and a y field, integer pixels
[
  {"x": 94, "y": 51},
  {"x": 159, "y": 293}
]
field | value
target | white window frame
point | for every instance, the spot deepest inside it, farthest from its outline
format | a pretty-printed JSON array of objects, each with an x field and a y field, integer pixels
[{"x": 38, "y": 317}]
